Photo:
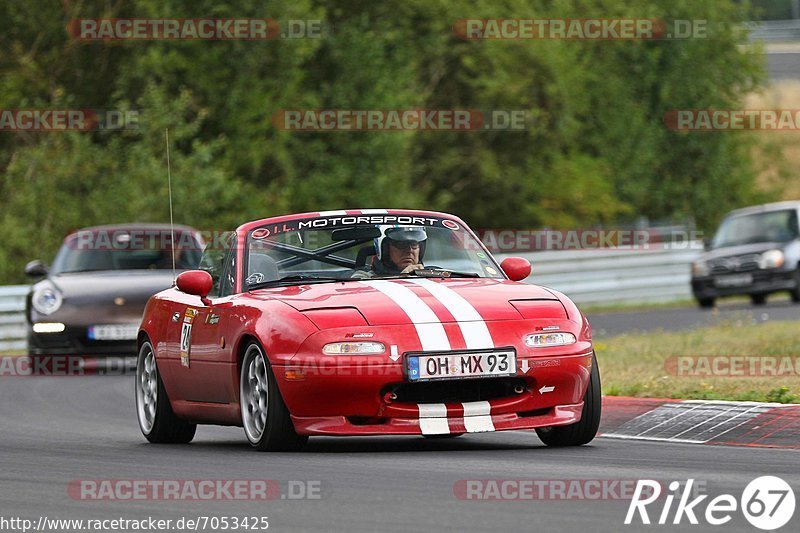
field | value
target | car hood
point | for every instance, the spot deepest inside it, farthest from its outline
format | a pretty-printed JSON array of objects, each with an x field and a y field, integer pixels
[
  {"x": 101, "y": 288},
  {"x": 392, "y": 302},
  {"x": 744, "y": 249}
]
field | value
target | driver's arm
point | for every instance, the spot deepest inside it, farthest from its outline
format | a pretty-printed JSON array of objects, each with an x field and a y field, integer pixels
[{"x": 363, "y": 274}]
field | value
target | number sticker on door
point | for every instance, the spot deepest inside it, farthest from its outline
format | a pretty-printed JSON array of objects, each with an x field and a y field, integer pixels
[{"x": 186, "y": 335}]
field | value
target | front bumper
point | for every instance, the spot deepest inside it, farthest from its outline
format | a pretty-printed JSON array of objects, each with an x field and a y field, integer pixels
[
  {"x": 764, "y": 282},
  {"x": 377, "y": 399},
  {"x": 74, "y": 340},
  {"x": 451, "y": 424}
]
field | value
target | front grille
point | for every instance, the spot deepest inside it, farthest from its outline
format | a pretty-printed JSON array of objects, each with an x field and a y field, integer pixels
[
  {"x": 740, "y": 263},
  {"x": 456, "y": 391}
]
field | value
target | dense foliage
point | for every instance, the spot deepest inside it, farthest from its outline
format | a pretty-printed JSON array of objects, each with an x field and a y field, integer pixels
[{"x": 595, "y": 152}]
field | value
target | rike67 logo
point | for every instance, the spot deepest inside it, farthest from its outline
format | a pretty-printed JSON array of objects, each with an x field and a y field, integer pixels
[{"x": 767, "y": 502}]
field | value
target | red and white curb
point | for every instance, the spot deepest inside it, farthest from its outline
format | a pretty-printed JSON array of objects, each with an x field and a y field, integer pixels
[{"x": 771, "y": 425}]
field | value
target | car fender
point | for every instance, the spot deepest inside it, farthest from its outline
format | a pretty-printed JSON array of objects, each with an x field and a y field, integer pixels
[{"x": 276, "y": 326}]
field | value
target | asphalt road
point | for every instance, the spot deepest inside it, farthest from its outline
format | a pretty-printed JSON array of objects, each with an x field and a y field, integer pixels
[
  {"x": 783, "y": 64},
  {"x": 684, "y": 318},
  {"x": 60, "y": 429}
]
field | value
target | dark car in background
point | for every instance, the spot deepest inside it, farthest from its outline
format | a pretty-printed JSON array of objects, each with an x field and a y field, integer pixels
[
  {"x": 755, "y": 252},
  {"x": 92, "y": 299}
]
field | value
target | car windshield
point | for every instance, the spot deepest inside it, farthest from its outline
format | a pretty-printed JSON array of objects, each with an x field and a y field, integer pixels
[
  {"x": 772, "y": 226},
  {"x": 325, "y": 250},
  {"x": 126, "y": 250}
]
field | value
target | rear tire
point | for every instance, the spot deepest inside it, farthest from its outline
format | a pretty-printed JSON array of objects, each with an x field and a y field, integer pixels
[
  {"x": 584, "y": 431},
  {"x": 795, "y": 294},
  {"x": 157, "y": 420},
  {"x": 758, "y": 299},
  {"x": 265, "y": 417}
]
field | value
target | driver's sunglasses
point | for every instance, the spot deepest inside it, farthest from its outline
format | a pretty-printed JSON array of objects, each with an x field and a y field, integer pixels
[{"x": 405, "y": 245}]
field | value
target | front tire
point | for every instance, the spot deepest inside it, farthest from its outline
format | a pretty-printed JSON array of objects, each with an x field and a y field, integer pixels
[
  {"x": 758, "y": 299},
  {"x": 583, "y": 431},
  {"x": 795, "y": 294},
  {"x": 265, "y": 416},
  {"x": 705, "y": 303},
  {"x": 157, "y": 420}
]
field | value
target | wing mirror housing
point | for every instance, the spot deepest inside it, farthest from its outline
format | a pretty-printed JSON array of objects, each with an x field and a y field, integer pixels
[
  {"x": 516, "y": 268},
  {"x": 197, "y": 283},
  {"x": 36, "y": 269}
]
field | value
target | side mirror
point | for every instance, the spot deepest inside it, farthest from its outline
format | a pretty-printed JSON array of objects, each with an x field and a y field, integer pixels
[
  {"x": 706, "y": 244},
  {"x": 516, "y": 268},
  {"x": 195, "y": 282},
  {"x": 36, "y": 269}
]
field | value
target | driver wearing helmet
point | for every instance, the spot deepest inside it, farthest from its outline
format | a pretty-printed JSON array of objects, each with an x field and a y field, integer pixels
[{"x": 400, "y": 251}]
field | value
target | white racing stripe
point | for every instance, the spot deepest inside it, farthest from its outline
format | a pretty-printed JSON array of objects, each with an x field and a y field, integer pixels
[
  {"x": 331, "y": 213},
  {"x": 473, "y": 327},
  {"x": 374, "y": 211},
  {"x": 433, "y": 419},
  {"x": 477, "y": 417},
  {"x": 431, "y": 333}
]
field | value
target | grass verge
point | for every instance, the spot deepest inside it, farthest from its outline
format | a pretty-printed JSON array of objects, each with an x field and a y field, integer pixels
[
  {"x": 722, "y": 303},
  {"x": 633, "y": 307},
  {"x": 643, "y": 364}
]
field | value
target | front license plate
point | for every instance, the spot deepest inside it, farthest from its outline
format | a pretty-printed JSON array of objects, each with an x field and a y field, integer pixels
[
  {"x": 113, "y": 332},
  {"x": 738, "y": 280},
  {"x": 463, "y": 365}
]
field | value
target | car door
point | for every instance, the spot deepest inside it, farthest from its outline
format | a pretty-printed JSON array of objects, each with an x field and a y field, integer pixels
[{"x": 205, "y": 349}]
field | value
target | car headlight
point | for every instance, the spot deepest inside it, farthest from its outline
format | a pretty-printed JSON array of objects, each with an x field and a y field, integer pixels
[
  {"x": 543, "y": 340},
  {"x": 700, "y": 269},
  {"x": 771, "y": 259},
  {"x": 353, "y": 348},
  {"x": 46, "y": 300}
]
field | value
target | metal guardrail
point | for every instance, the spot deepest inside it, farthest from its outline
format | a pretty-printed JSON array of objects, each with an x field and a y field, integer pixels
[
  {"x": 616, "y": 276},
  {"x": 12, "y": 317},
  {"x": 586, "y": 276},
  {"x": 775, "y": 30}
]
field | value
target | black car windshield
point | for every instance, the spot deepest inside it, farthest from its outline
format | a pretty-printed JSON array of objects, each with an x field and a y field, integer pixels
[
  {"x": 125, "y": 250},
  {"x": 771, "y": 226},
  {"x": 431, "y": 247}
]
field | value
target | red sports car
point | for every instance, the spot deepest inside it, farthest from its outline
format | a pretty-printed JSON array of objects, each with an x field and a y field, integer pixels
[{"x": 363, "y": 322}]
